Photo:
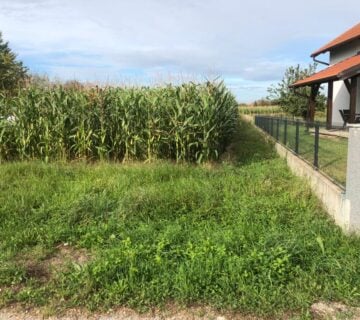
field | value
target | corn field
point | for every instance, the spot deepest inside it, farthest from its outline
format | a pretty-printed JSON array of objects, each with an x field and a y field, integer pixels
[
  {"x": 190, "y": 122},
  {"x": 261, "y": 110}
]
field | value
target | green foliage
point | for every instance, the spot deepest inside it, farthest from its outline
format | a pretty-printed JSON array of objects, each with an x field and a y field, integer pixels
[
  {"x": 291, "y": 102},
  {"x": 191, "y": 122},
  {"x": 249, "y": 237},
  {"x": 263, "y": 102},
  {"x": 12, "y": 72}
]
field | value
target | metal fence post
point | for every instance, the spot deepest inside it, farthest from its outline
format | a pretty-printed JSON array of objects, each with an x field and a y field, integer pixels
[
  {"x": 265, "y": 124},
  {"x": 285, "y": 132},
  {"x": 272, "y": 127},
  {"x": 316, "y": 147},
  {"x": 277, "y": 128},
  {"x": 297, "y": 137}
]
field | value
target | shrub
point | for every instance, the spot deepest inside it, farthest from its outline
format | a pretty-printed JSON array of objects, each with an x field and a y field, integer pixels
[{"x": 12, "y": 71}]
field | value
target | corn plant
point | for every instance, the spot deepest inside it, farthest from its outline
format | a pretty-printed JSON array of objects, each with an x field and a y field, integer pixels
[{"x": 189, "y": 122}]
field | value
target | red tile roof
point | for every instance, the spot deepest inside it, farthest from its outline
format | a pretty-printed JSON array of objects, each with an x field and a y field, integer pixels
[
  {"x": 347, "y": 36},
  {"x": 335, "y": 72}
]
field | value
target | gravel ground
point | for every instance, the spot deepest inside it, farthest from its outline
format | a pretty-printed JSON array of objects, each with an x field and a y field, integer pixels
[{"x": 18, "y": 313}]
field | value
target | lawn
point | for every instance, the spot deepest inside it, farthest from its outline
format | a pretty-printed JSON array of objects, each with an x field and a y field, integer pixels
[{"x": 242, "y": 235}]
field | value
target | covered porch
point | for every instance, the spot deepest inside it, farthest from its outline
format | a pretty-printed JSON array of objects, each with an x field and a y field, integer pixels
[{"x": 343, "y": 96}]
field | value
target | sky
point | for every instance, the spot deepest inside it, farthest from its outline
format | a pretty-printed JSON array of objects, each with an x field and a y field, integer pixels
[{"x": 248, "y": 44}]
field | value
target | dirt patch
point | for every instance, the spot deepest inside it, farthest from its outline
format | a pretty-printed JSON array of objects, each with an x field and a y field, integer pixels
[
  {"x": 229, "y": 154},
  {"x": 14, "y": 288},
  {"x": 171, "y": 313},
  {"x": 37, "y": 270},
  {"x": 65, "y": 254},
  {"x": 334, "y": 311},
  {"x": 43, "y": 268}
]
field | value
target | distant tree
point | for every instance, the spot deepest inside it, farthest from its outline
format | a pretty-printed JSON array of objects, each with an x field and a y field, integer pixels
[
  {"x": 290, "y": 101},
  {"x": 263, "y": 102},
  {"x": 40, "y": 81},
  {"x": 43, "y": 81},
  {"x": 12, "y": 72},
  {"x": 73, "y": 84}
]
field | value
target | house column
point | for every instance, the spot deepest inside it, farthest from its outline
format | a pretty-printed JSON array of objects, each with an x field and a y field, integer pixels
[
  {"x": 329, "y": 108},
  {"x": 312, "y": 103},
  {"x": 353, "y": 95}
]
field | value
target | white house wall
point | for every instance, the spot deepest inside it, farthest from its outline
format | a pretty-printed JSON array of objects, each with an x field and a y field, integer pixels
[
  {"x": 341, "y": 100},
  {"x": 345, "y": 51},
  {"x": 341, "y": 97}
]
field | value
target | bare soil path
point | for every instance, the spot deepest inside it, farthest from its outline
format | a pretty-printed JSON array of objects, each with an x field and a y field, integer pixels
[{"x": 196, "y": 313}]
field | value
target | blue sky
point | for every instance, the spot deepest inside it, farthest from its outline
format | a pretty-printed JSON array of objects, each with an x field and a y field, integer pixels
[{"x": 249, "y": 44}]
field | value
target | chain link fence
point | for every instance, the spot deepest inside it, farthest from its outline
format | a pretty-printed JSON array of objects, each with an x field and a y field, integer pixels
[{"x": 324, "y": 149}]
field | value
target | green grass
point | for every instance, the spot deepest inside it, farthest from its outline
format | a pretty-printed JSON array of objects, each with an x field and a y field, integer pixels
[{"x": 243, "y": 235}]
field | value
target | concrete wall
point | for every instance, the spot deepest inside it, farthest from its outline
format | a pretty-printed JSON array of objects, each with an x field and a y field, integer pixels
[
  {"x": 341, "y": 99},
  {"x": 330, "y": 194}
]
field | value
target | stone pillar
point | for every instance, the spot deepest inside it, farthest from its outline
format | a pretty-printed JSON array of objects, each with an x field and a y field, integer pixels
[{"x": 353, "y": 180}]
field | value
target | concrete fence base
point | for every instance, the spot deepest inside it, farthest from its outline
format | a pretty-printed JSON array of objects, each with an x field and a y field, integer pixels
[{"x": 330, "y": 194}]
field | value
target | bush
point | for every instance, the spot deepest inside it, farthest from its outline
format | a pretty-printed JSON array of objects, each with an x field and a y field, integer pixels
[{"x": 12, "y": 72}]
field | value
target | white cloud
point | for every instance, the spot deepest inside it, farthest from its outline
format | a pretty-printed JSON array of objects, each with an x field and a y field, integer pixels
[{"x": 98, "y": 40}]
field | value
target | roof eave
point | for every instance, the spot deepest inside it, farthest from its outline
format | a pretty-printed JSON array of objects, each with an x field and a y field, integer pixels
[
  {"x": 309, "y": 83},
  {"x": 352, "y": 72}
]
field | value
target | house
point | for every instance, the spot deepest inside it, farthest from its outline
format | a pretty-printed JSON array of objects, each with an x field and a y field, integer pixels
[{"x": 342, "y": 76}]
